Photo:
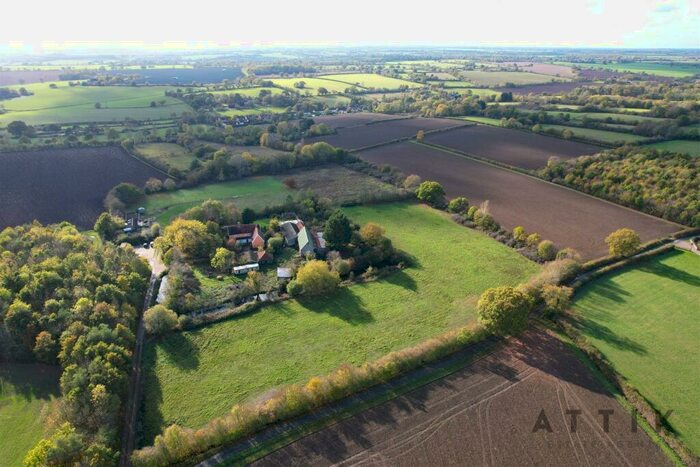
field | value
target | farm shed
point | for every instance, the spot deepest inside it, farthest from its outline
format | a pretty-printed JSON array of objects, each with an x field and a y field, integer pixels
[
  {"x": 310, "y": 242},
  {"x": 290, "y": 230}
]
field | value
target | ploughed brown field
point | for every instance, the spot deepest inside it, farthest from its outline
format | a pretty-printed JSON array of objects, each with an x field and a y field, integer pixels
[
  {"x": 362, "y": 136},
  {"x": 64, "y": 184},
  {"x": 353, "y": 119},
  {"x": 486, "y": 414},
  {"x": 567, "y": 217},
  {"x": 547, "y": 88},
  {"x": 513, "y": 147}
]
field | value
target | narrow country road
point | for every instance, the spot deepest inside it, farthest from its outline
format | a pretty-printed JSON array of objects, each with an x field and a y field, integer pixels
[{"x": 132, "y": 403}]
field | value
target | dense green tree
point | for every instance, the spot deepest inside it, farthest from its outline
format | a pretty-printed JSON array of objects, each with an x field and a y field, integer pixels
[
  {"x": 107, "y": 225},
  {"x": 458, "y": 205},
  {"x": 338, "y": 230},
  {"x": 503, "y": 310},
  {"x": 623, "y": 242},
  {"x": 159, "y": 320},
  {"x": 432, "y": 193}
]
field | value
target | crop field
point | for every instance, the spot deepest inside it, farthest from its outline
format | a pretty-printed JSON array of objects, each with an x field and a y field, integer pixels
[
  {"x": 370, "y": 81},
  {"x": 567, "y": 217},
  {"x": 255, "y": 111},
  {"x": 352, "y": 119},
  {"x": 548, "y": 88},
  {"x": 74, "y": 104},
  {"x": 22, "y": 77},
  {"x": 501, "y": 78},
  {"x": 333, "y": 100},
  {"x": 244, "y": 357},
  {"x": 682, "y": 146},
  {"x": 253, "y": 192},
  {"x": 603, "y": 136},
  {"x": 26, "y": 389},
  {"x": 671, "y": 70},
  {"x": 644, "y": 320},
  {"x": 64, "y": 184},
  {"x": 341, "y": 185},
  {"x": 168, "y": 154},
  {"x": 517, "y": 148},
  {"x": 485, "y": 409},
  {"x": 383, "y": 132},
  {"x": 547, "y": 69},
  {"x": 179, "y": 76},
  {"x": 311, "y": 85}
]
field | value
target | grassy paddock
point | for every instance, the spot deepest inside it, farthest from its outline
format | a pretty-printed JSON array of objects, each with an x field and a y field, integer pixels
[
  {"x": 238, "y": 359},
  {"x": 682, "y": 146},
  {"x": 369, "y": 80},
  {"x": 166, "y": 154},
  {"x": 609, "y": 137},
  {"x": 642, "y": 319},
  {"x": 26, "y": 390}
]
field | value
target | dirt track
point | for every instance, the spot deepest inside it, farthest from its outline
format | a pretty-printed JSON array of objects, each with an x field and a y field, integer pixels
[
  {"x": 485, "y": 414},
  {"x": 512, "y": 147},
  {"x": 567, "y": 217}
]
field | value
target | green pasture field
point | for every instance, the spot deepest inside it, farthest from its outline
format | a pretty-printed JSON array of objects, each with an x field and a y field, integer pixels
[
  {"x": 602, "y": 116},
  {"x": 678, "y": 145},
  {"x": 644, "y": 320},
  {"x": 76, "y": 104},
  {"x": 193, "y": 376},
  {"x": 170, "y": 154},
  {"x": 312, "y": 85},
  {"x": 248, "y": 92},
  {"x": 610, "y": 137},
  {"x": 26, "y": 391},
  {"x": 255, "y": 111},
  {"x": 370, "y": 80},
  {"x": 500, "y": 78},
  {"x": 253, "y": 192},
  {"x": 484, "y": 120}
]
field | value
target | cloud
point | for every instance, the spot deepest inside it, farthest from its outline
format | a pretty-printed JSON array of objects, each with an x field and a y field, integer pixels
[{"x": 666, "y": 8}]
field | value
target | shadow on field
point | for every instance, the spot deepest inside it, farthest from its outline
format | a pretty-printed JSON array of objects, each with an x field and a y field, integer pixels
[
  {"x": 611, "y": 291},
  {"x": 344, "y": 304},
  {"x": 401, "y": 279},
  {"x": 604, "y": 333},
  {"x": 30, "y": 380},
  {"x": 669, "y": 272},
  {"x": 179, "y": 349},
  {"x": 150, "y": 418}
]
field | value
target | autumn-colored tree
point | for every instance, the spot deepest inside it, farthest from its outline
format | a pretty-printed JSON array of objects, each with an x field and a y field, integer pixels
[
  {"x": 623, "y": 242},
  {"x": 316, "y": 278},
  {"x": 503, "y": 310}
]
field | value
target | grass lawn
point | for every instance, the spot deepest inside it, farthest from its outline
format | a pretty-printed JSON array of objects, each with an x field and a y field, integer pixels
[
  {"x": 683, "y": 146},
  {"x": 172, "y": 155},
  {"x": 602, "y": 136},
  {"x": 644, "y": 319},
  {"x": 193, "y": 376},
  {"x": 253, "y": 192},
  {"x": 75, "y": 104},
  {"x": 25, "y": 390}
]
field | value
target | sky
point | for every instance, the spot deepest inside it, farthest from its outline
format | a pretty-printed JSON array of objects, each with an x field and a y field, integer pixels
[{"x": 208, "y": 23}]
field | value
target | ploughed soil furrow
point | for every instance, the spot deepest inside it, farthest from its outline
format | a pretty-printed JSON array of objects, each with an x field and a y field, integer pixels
[
  {"x": 64, "y": 184},
  {"x": 487, "y": 414},
  {"x": 353, "y": 119},
  {"x": 567, "y": 217},
  {"x": 513, "y": 147}
]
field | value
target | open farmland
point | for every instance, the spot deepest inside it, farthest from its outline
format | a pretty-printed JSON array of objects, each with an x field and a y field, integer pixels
[
  {"x": 383, "y": 132},
  {"x": 64, "y": 184},
  {"x": 252, "y": 192},
  {"x": 352, "y": 119},
  {"x": 247, "y": 356},
  {"x": 603, "y": 136},
  {"x": 644, "y": 320},
  {"x": 547, "y": 69},
  {"x": 548, "y": 88},
  {"x": 483, "y": 414},
  {"x": 370, "y": 81},
  {"x": 74, "y": 104},
  {"x": 671, "y": 70},
  {"x": 513, "y": 147},
  {"x": 567, "y": 217},
  {"x": 311, "y": 85},
  {"x": 22, "y": 77},
  {"x": 682, "y": 146},
  {"x": 249, "y": 92},
  {"x": 502, "y": 78},
  {"x": 166, "y": 155},
  {"x": 178, "y": 76},
  {"x": 26, "y": 391}
]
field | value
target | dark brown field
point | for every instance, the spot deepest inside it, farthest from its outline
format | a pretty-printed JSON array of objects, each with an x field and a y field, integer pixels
[
  {"x": 352, "y": 119},
  {"x": 512, "y": 147},
  {"x": 377, "y": 133},
  {"x": 9, "y": 78},
  {"x": 567, "y": 217},
  {"x": 485, "y": 414},
  {"x": 546, "y": 69},
  {"x": 64, "y": 184},
  {"x": 548, "y": 88}
]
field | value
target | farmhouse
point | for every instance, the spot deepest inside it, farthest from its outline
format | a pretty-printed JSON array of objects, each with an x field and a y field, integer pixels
[
  {"x": 243, "y": 235},
  {"x": 290, "y": 230},
  {"x": 311, "y": 242}
]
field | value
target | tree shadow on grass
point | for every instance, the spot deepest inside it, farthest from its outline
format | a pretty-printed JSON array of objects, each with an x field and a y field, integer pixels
[
  {"x": 604, "y": 333},
  {"x": 180, "y": 350},
  {"x": 669, "y": 272},
  {"x": 611, "y": 291},
  {"x": 344, "y": 304},
  {"x": 30, "y": 380},
  {"x": 401, "y": 279}
]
